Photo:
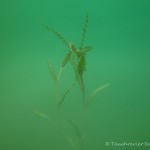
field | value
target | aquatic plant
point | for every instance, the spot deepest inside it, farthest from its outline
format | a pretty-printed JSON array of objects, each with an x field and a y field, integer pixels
[{"x": 76, "y": 56}]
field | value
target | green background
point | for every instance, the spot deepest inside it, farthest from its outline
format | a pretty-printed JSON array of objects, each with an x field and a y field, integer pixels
[{"x": 118, "y": 31}]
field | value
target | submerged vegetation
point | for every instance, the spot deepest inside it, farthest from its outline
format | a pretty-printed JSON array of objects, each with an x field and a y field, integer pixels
[{"x": 76, "y": 56}]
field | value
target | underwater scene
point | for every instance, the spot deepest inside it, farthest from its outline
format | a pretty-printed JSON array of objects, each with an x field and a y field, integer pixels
[{"x": 74, "y": 75}]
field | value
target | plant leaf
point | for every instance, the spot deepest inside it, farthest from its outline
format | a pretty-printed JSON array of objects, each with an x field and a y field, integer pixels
[
  {"x": 84, "y": 50},
  {"x": 96, "y": 91},
  {"x": 66, "y": 59},
  {"x": 78, "y": 76},
  {"x": 74, "y": 50},
  {"x": 81, "y": 65},
  {"x": 52, "y": 72},
  {"x": 66, "y": 93},
  {"x": 84, "y": 31},
  {"x": 57, "y": 34}
]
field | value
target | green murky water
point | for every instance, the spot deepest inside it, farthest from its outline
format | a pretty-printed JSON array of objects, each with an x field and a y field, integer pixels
[{"x": 119, "y": 33}]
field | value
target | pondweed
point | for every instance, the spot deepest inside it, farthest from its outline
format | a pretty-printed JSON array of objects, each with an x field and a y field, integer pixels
[{"x": 76, "y": 56}]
